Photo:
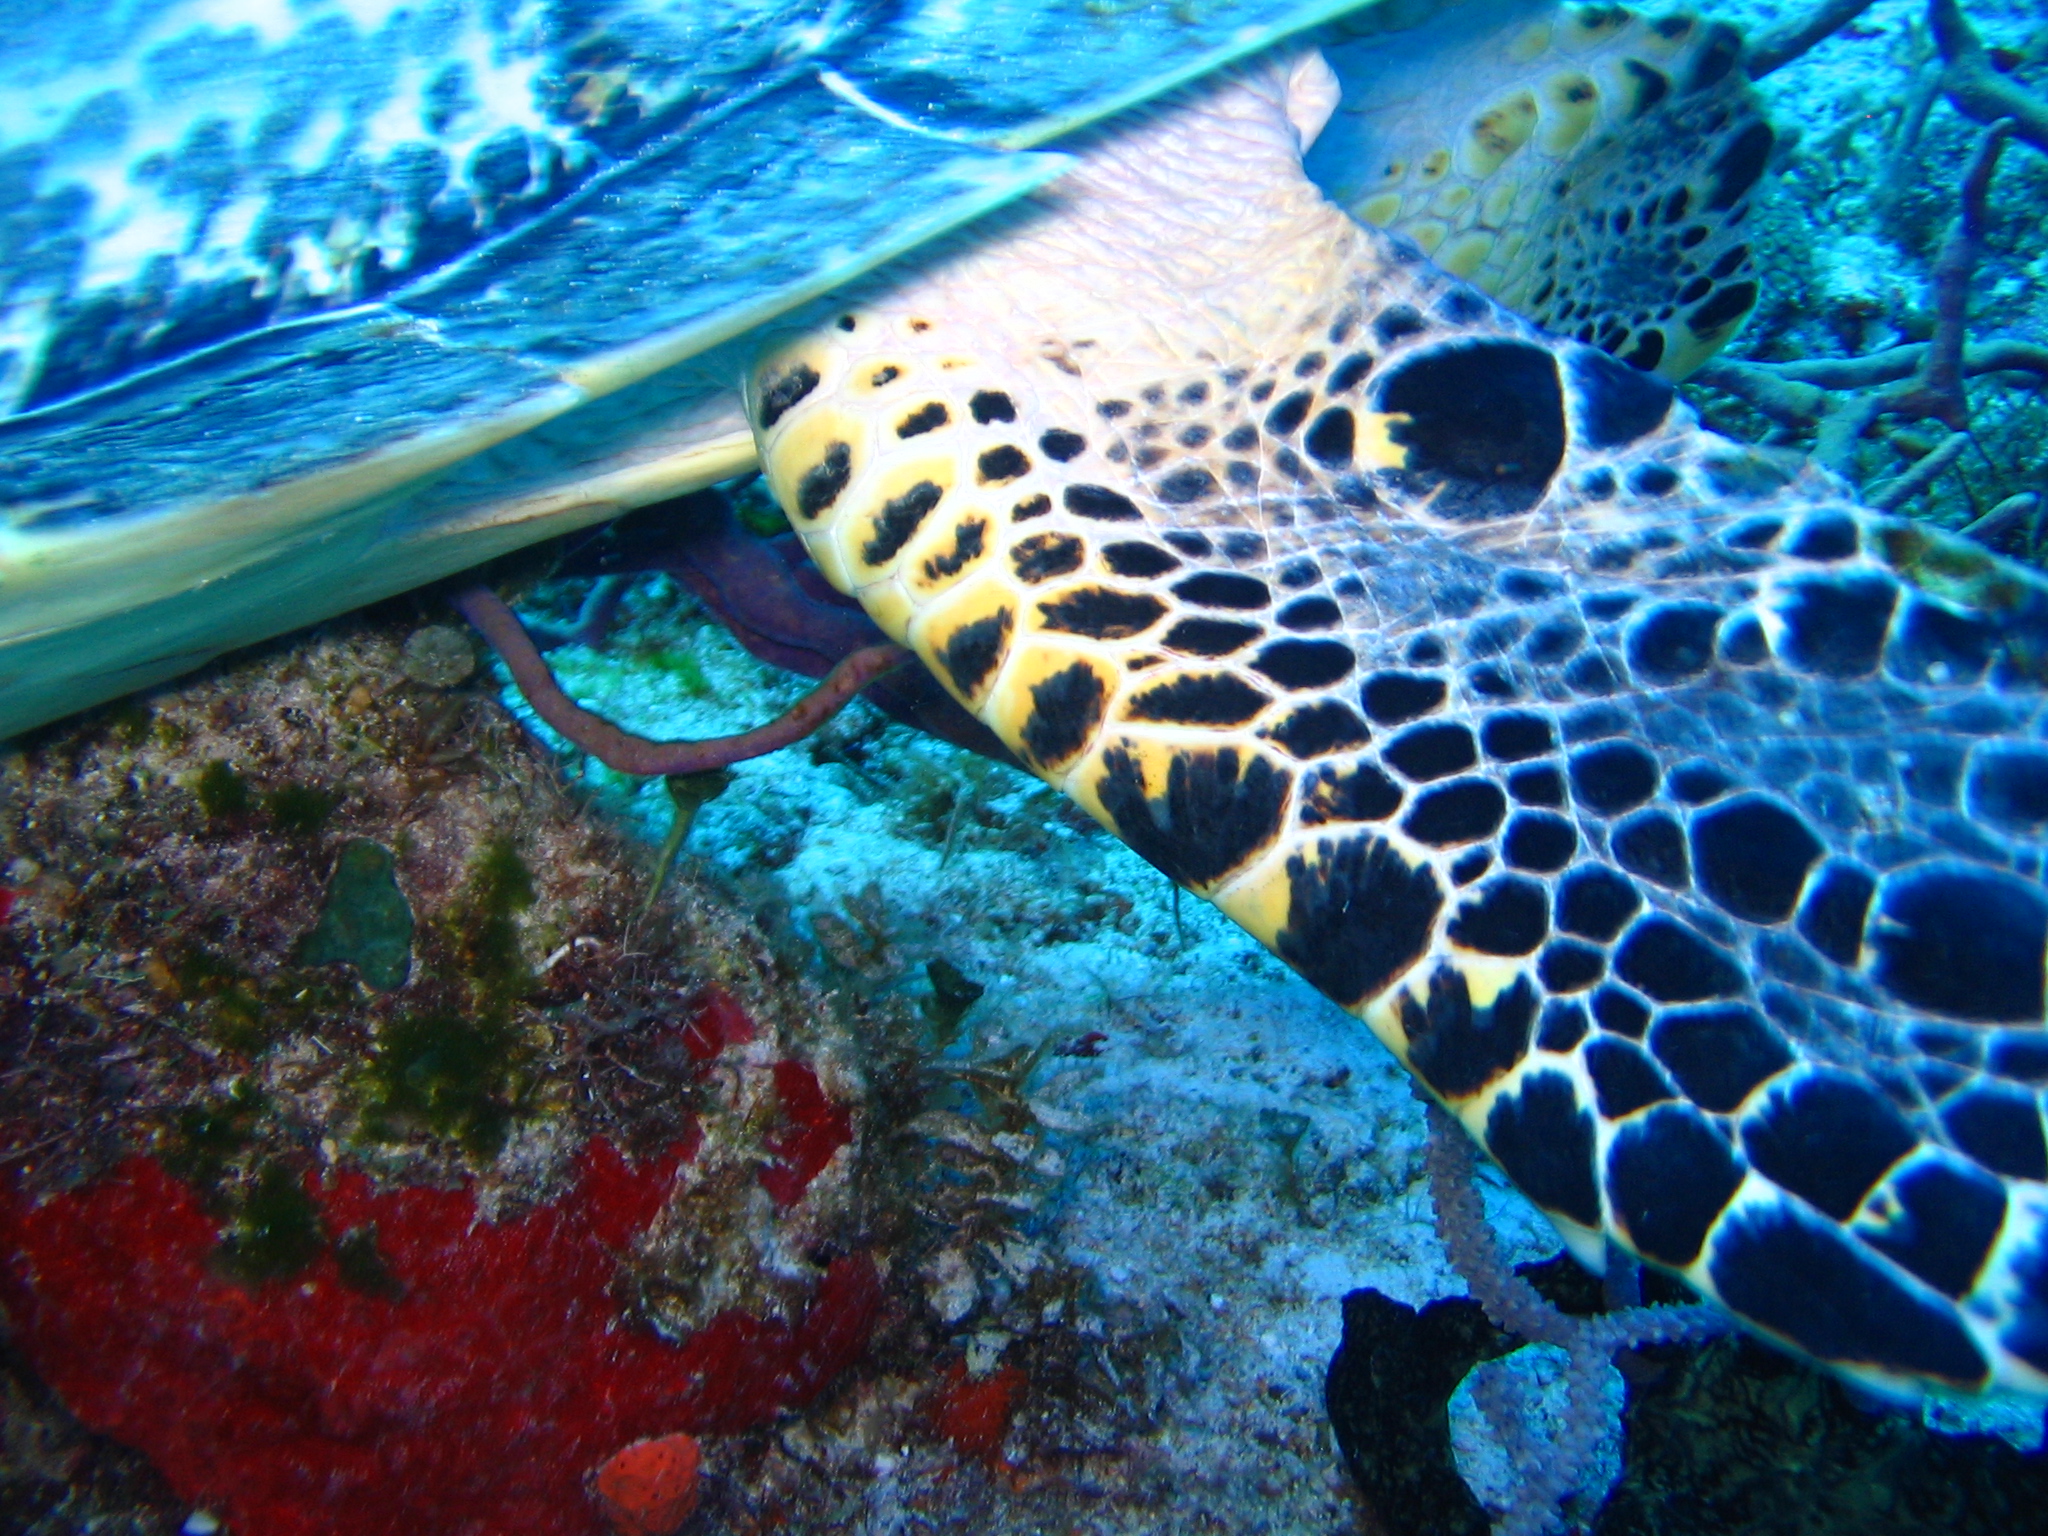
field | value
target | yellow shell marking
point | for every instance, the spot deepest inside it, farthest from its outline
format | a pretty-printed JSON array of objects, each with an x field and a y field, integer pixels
[
  {"x": 876, "y": 376},
  {"x": 1532, "y": 44},
  {"x": 1497, "y": 133},
  {"x": 1669, "y": 36},
  {"x": 1463, "y": 255},
  {"x": 891, "y": 510},
  {"x": 1040, "y": 672},
  {"x": 1587, "y": 26},
  {"x": 979, "y": 617},
  {"x": 1154, "y": 758},
  {"x": 1259, "y": 900},
  {"x": 1571, "y": 105},
  {"x": 1375, "y": 447},
  {"x": 1642, "y": 87},
  {"x": 888, "y": 605},
  {"x": 1451, "y": 199},
  {"x": 948, "y": 551},
  {"x": 1381, "y": 210}
]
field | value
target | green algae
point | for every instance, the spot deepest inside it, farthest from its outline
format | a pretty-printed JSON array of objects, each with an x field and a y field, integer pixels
[
  {"x": 130, "y": 721},
  {"x": 689, "y": 793},
  {"x": 299, "y": 808},
  {"x": 273, "y": 1226},
  {"x": 222, "y": 793},
  {"x": 1283, "y": 1130},
  {"x": 229, "y": 1004},
  {"x": 453, "y": 1071},
  {"x": 206, "y": 1137},
  {"x": 682, "y": 665},
  {"x": 362, "y": 1264},
  {"x": 952, "y": 995},
  {"x": 446, "y": 1075},
  {"x": 482, "y": 925},
  {"x": 365, "y": 920},
  {"x": 276, "y": 1232},
  {"x": 759, "y": 513},
  {"x": 237, "y": 1021},
  {"x": 238, "y": 1011}
]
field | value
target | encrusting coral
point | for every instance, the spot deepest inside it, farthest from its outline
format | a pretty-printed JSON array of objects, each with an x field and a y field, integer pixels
[
  {"x": 459, "y": 1386},
  {"x": 350, "y": 1134}
]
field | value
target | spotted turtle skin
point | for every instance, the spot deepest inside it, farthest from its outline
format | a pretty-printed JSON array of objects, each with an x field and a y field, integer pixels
[{"x": 1676, "y": 821}]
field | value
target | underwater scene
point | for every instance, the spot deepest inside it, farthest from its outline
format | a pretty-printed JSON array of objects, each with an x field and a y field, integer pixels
[{"x": 1086, "y": 766}]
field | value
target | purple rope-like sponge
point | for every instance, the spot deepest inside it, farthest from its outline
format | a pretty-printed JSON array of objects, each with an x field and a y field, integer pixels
[
  {"x": 623, "y": 750},
  {"x": 1549, "y": 1470}
]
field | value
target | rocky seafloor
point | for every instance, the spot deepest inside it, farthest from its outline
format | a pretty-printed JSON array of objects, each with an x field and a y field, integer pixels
[{"x": 396, "y": 1125}]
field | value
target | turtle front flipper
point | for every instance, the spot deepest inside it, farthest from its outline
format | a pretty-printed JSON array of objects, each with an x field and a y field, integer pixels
[
  {"x": 550, "y": 380},
  {"x": 1590, "y": 167},
  {"x": 1677, "y": 823}
]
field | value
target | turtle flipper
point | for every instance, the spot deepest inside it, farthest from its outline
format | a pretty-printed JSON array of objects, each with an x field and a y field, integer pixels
[
  {"x": 1679, "y": 824},
  {"x": 540, "y": 385},
  {"x": 265, "y": 390},
  {"x": 983, "y": 75},
  {"x": 1590, "y": 167}
]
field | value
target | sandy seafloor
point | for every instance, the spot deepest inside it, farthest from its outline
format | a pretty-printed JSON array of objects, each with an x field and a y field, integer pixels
[
  {"x": 1188, "y": 1188},
  {"x": 1177, "y": 1192}
]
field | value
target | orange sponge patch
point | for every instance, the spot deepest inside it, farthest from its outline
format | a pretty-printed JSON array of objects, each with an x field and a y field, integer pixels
[{"x": 650, "y": 1487}]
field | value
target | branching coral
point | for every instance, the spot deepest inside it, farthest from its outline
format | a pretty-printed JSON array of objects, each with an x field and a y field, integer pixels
[
  {"x": 1973, "y": 86},
  {"x": 1916, "y": 380},
  {"x": 1837, "y": 404},
  {"x": 1779, "y": 47},
  {"x": 1938, "y": 373}
]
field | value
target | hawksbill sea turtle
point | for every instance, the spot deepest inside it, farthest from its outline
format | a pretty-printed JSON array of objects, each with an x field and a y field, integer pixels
[{"x": 1677, "y": 822}]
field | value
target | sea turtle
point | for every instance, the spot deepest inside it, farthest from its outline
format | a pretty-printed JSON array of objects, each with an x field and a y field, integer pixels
[{"x": 1675, "y": 821}]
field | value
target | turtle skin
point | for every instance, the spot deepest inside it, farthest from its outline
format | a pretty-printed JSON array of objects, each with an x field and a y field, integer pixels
[{"x": 1676, "y": 821}]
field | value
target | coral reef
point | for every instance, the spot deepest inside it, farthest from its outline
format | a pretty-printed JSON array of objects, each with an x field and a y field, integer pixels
[
  {"x": 336, "y": 969},
  {"x": 312, "y": 1092},
  {"x": 1902, "y": 346},
  {"x": 450, "y": 1374},
  {"x": 964, "y": 1126}
]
